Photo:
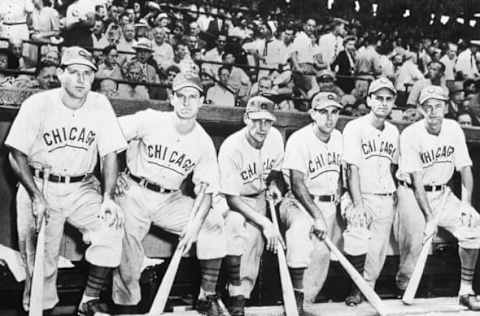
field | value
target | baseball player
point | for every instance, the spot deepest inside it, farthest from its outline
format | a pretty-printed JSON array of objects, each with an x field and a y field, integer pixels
[
  {"x": 250, "y": 163},
  {"x": 164, "y": 148},
  {"x": 65, "y": 130},
  {"x": 370, "y": 151},
  {"x": 312, "y": 164},
  {"x": 430, "y": 150}
]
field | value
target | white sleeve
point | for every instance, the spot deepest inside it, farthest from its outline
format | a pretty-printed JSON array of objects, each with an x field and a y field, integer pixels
[
  {"x": 280, "y": 153},
  {"x": 296, "y": 156},
  {"x": 409, "y": 153},
  {"x": 110, "y": 137},
  {"x": 462, "y": 157},
  {"x": 207, "y": 168},
  {"x": 133, "y": 125},
  {"x": 230, "y": 179},
  {"x": 352, "y": 144}
]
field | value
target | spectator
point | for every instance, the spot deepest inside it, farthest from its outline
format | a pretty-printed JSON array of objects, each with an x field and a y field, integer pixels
[
  {"x": 344, "y": 64},
  {"x": 368, "y": 59},
  {"x": 14, "y": 15},
  {"x": 436, "y": 71},
  {"x": 98, "y": 35},
  {"x": 183, "y": 60},
  {"x": 142, "y": 29},
  {"x": 331, "y": 44},
  {"x": 143, "y": 54},
  {"x": 134, "y": 72},
  {"x": 464, "y": 119},
  {"x": 109, "y": 68},
  {"x": 408, "y": 74},
  {"x": 171, "y": 72},
  {"x": 162, "y": 51},
  {"x": 470, "y": 86},
  {"x": 215, "y": 55},
  {"x": 47, "y": 76},
  {"x": 216, "y": 27},
  {"x": 238, "y": 81},
  {"x": 113, "y": 16},
  {"x": 466, "y": 63},
  {"x": 45, "y": 22},
  {"x": 108, "y": 87},
  {"x": 100, "y": 12},
  {"x": 5, "y": 81},
  {"x": 195, "y": 43},
  {"x": 127, "y": 42},
  {"x": 449, "y": 60},
  {"x": 80, "y": 18},
  {"x": 137, "y": 9},
  {"x": 325, "y": 83},
  {"x": 194, "y": 29},
  {"x": 51, "y": 56},
  {"x": 220, "y": 94}
]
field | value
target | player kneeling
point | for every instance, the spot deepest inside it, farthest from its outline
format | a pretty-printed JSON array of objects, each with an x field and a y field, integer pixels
[
  {"x": 250, "y": 162},
  {"x": 312, "y": 161},
  {"x": 430, "y": 150}
]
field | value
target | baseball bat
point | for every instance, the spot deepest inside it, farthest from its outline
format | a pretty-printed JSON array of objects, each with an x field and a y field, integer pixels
[
  {"x": 163, "y": 291},
  {"x": 356, "y": 277},
  {"x": 36, "y": 289},
  {"x": 289, "y": 303},
  {"x": 412, "y": 287}
]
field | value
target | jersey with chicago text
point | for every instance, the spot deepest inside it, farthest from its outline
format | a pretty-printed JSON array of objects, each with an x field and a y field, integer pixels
[
  {"x": 67, "y": 140},
  {"x": 436, "y": 155},
  {"x": 159, "y": 153},
  {"x": 320, "y": 162},
  {"x": 373, "y": 151},
  {"x": 243, "y": 168}
]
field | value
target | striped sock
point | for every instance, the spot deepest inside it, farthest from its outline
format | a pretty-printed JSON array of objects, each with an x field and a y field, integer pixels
[
  {"x": 466, "y": 278},
  {"x": 97, "y": 280},
  {"x": 296, "y": 275},
  {"x": 358, "y": 262},
  {"x": 233, "y": 269},
  {"x": 210, "y": 271}
]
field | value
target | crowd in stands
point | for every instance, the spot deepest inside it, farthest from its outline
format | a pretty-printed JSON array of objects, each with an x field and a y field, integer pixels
[{"x": 139, "y": 47}]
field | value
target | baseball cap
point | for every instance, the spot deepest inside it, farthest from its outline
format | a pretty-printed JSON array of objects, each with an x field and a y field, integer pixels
[
  {"x": 259, "y": 107},
  {"x": 182, "y": 81},
  {"x": 433, "y": 92},
  {"x": 381, "y": 83},
  {"x": 77, "y": 55},
  {"x": 322, "y": 100}
]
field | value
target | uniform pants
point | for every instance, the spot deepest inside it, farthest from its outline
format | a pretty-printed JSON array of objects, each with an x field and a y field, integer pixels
[
  {"x": 79, "y": 204},
  {"x": 303, "y": 249},
  {"x": 169, "y": 211},
  {"x": 369, "y": 233},
  {"x": 458, "y": 217}
]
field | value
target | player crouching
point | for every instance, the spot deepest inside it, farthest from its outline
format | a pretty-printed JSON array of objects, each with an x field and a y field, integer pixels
[
  {"x": 430, "y": 150},
  {"x": 250, "y": 162},
  {"x": 312, "y": 161}
]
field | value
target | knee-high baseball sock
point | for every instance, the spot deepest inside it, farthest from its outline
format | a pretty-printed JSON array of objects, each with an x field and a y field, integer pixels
[
  {"x": 96, "y": 282},
  {"x": 296, "y": 274},
  {"x": 232, "y": 265},
  {"x": 358, "y": 262},
  {"x": 210, "y": 270},
  {"x": 468, "y": 260}
]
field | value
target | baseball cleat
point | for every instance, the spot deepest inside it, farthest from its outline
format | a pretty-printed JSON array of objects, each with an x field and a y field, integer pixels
[{"x": 470, "y": 301}]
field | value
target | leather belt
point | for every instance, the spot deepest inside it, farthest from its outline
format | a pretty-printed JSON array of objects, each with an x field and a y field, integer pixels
[
  {"x": 59, "y": 179},
  {"x": 324, "y": 198},
  {"x": 147, "y": 184},
  {"x": 14, "y": 23},
  {"x": 428, "y": 188}
]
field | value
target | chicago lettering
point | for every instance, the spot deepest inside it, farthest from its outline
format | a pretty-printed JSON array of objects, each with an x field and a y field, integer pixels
[
  {"x": 174, "y": 157},
  {"x": 251, "y": 171},
  {"x": 61, "y": 135},
  {"x": 322, "y": 161},
  {"x": 441, "y": 153},
  {"x": 371, "y": 148}
]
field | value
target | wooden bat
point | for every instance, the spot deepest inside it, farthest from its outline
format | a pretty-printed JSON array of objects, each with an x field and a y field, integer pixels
[
  {"x": 163, "y": 291},
  {"x": 289, "y": 302},
  {"x": 36, "y": 290},
  {"x": 356, "y": 277},
  {"x": 413, "y": 283}
]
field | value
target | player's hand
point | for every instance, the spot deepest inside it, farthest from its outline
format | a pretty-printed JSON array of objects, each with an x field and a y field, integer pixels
[
  {"x": 189, "y": 235},
  {"x": 319, "y": 228},
  {"x": 429, "y": 231},
  {"x": 122, "y": 185},
  {"x": 274, "y": 194},
  {"x": 112, "y": 213},
  {"x": 40, "y": 210},
  {"x": 272, "y": 237}
]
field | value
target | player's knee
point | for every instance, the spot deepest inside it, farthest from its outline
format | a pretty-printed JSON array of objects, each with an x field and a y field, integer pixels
[
  {"x": 105, "y": 247},
  {"x": 356, "y": 241}
]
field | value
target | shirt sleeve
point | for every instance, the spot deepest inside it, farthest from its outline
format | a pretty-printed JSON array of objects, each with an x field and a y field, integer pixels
[
  {"x": 110, "y": 137},
  {"x": 462, "y": 157},
  {"x": 409, "y": 154},
  {"x": 280, "y": 153},
  {"x": 207, "y": 168},
  {"x": 352, "y": 144},
  {"x": 295, "y": 156},
  {"x": 26, "y": 126},
  {"x": 133, "y": 125},
  {"x": 230, "y": 180},
  {"x": 396, "y": 155}
]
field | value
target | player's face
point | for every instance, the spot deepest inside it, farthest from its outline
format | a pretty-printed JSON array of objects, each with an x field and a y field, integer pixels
[
  {"x": 381, "y": 102},
  {"x": 326, "y": 118},
  {"x": 258, "y": 129},
  {"x": 186, "y": 102},
  {"x": 76, "y": 80},
  {"x": 433, "y": 110}
]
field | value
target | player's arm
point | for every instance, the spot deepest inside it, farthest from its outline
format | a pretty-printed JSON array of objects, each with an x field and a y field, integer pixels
[
  {"x": 353, "y": 179},
  {"x": 300, "y": 191},
  {"x": 421, "y": 195},
  {"x": 467, "y": 184}
]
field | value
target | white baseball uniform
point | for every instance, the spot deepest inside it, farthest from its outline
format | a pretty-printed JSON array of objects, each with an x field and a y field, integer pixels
[
  {"x": 243, "y": 171},
  {"x": 160, "y": 155},
  {"x": 373, "y": 151},
  {"x": 69, "y": 141},
  {"x": 320, "y": 163},
  {"x": 437, "y": 157}
]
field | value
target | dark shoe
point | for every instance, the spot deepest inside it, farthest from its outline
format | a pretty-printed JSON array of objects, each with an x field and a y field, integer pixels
[
  {"x": 212, "y": 306},
  {"x": 236, "y": 305},
  {"x": 48, "y": 312},
  {"x": 355, "y": 298},
  {"x": 470, "y": 301},
  {"x": 91, "y": 307},
  {"x": 202, "y": 306}
]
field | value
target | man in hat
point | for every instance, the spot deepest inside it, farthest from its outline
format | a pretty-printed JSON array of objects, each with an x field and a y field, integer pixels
[
  {"x": 149, "y": 67},
  {"x": 64, "y": 130},
  {"x": 331, "y": 44},
  {"x": 467, "y": 61},
  {"x": 164, "y": 149},
  {"x": 371, "y": 153},
  {"x": 430, "y": 150},
  {"x": 250, "y": 162},
  {"x": 312, "y": 164}
]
